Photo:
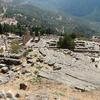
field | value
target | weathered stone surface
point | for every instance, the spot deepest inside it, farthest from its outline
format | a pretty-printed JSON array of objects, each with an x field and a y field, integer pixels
[
  {"x": 30, "y": 61},
  {"x": 57, "y": 67},
  {"x": 66, "y": 51},
  {"x": 16, "y": 68},
  {"x": 2, "y": 65},
  {"x": 10, "y": 73},
  {"x": 40, "y": 59},
  {"x": 26, "y": 73},
  {"x": 73, "y": 98},
  {"x": 9, "y": 95},
  {"x": 4, "y": 69},
  {"x": 10, "y": 61},
  {"x": 74, "y": 70},
  {"x": 67, "y": 79},
  {"x": 37, "y": 97},
  {"x": 25, "y": 65},
  {"x": 43, "y": 51},
  {"x": 2, "y": 95},
  {"x": 30, "y": 97},
  {"x": 4, "y": 79},
  {"x": 51, "y": 62},
  {"x": 28, "y": 57}
]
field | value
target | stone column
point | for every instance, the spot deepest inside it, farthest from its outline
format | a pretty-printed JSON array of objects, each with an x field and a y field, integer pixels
[
  {"x": 33, "y": 36},
  {"x": 26, "y": 37},
  {"x": 38, "y": 36}
]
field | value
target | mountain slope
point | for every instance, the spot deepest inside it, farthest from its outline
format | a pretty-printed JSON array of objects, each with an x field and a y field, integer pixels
[
  {"x": 78, "y": 8},
  {"x": 56, "y": 21},
  {"x": 33, "y": 13}
]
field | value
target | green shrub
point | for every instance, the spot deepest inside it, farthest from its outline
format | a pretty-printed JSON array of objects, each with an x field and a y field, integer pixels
[
  {"x": 1, "y": 50},
  {"x": 66, "y": 42}
]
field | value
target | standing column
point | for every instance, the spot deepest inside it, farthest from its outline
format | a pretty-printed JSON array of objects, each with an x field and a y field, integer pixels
[
  {"x": 33, "y": 36},
  {"x": 38, "y": 36}
]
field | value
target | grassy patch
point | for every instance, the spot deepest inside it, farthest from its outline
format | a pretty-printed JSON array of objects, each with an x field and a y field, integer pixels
[
  {"x": 36, "y": 79},
  {"x": 15, "y": 46},
  {"x": 60, "y": 94}
]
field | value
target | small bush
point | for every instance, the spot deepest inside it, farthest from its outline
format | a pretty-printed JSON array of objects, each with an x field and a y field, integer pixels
[
  {"x": 66, "y": 42},
  {"x": 73, "y": 35},
  {"x": 1, "y": 50}
]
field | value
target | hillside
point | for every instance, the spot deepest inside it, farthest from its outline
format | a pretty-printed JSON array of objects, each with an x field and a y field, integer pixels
[
  {"x": 93, "y": 16},
  {"x": 57, "y": 22},
  {"x": 85, "y": 9},
  {"x": 73, "y": 6},
  {"x": 56, "y": 16}
]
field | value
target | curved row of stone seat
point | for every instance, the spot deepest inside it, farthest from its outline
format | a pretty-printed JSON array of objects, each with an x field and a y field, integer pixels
[{"x": 14, "y": 56}]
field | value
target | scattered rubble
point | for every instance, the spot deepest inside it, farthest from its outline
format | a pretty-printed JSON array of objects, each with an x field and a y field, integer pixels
[
  {"x": 23, "y": 86},
  {"x": 4, "y": 79},
  {"x": 57, "y": 67},
  {"x": 4, "y": 70},
  {"x": 7, "y": 95},
  {"x": 37, "y": 97},
  {"x": 17, "y": 95},
  {"x": 78, "y": 70},
  {"x": 43, "y": 51}
]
